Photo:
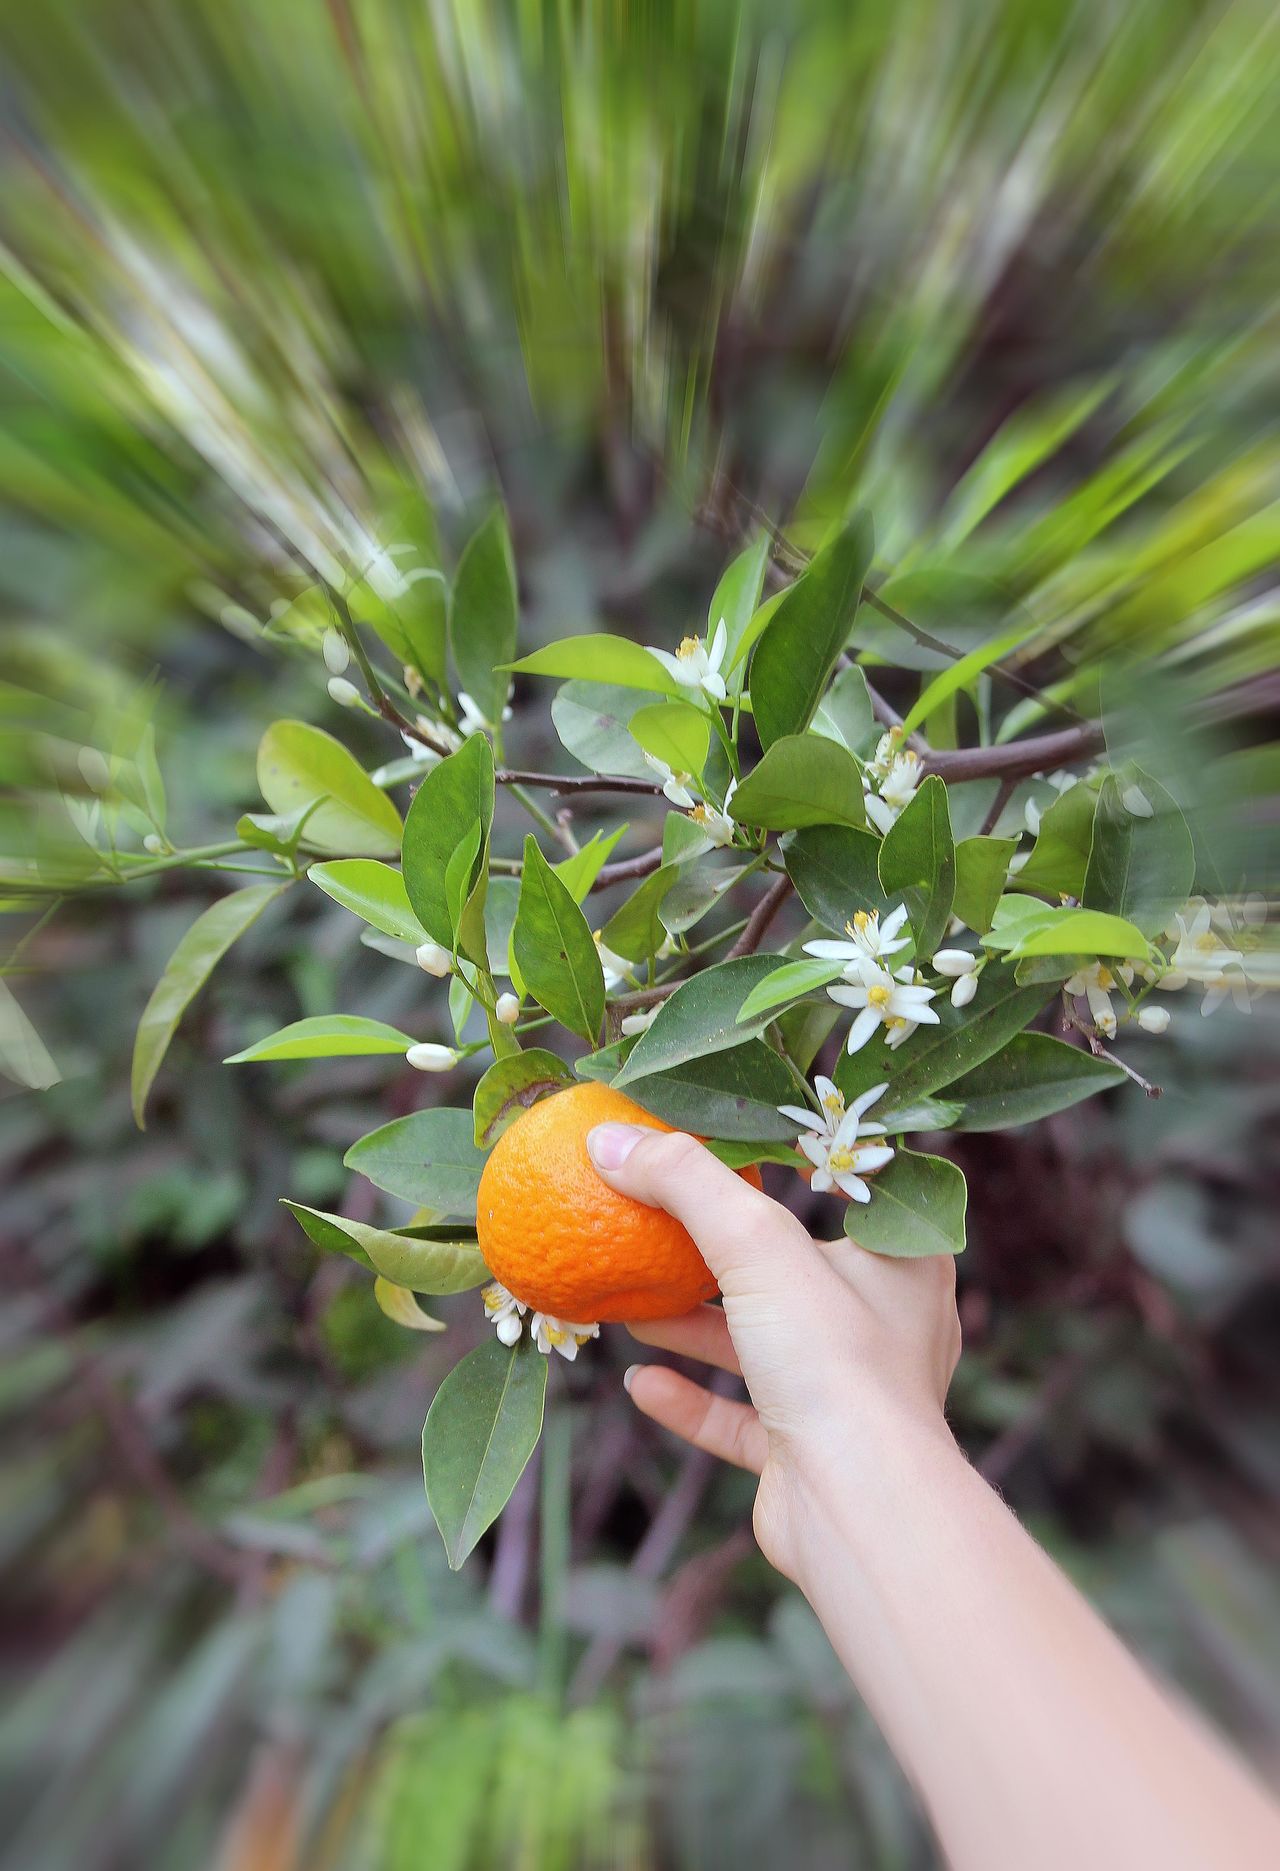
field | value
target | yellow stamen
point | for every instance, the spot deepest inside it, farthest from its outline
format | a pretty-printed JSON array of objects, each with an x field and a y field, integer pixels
[
  {"x": 834, "y": 1105},
  {"x": 689, "y": 646},
  {"x": 895, "y": 1019},
  {"x": 1105, "y": 977},
  {"x": 843, "y": 1157},
  {"x": 878, "y": 996},
  {"x": 554, "y": 1335}
]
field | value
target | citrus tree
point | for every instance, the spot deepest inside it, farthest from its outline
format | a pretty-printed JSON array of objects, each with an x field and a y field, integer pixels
[{"x": 981, "y": 920}]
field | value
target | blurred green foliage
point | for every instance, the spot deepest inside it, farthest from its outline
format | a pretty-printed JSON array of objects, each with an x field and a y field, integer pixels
[{"x": 281, "y": 285}]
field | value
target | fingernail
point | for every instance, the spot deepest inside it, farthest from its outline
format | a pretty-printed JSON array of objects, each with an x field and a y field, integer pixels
[
  {"x": 629, "y": 1377},
  {"x": 609, "y": 1145}
]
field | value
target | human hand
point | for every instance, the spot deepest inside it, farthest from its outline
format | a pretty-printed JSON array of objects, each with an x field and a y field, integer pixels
[{"x": 846, "y": 1355}]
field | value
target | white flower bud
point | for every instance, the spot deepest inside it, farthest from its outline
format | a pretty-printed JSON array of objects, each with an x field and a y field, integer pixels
[
  {"x": 154, "y": 843},
  {"x": 1153, "y": 1019},
  {"x": 94, "y": 769},
  {"x": 507, "y": 1010},
  {"x": 336, "y": 651},
  {"x": 637, "y": 1022},
  {"x": 429, "y": 1057},
  {"x": 1136, "y": 803},
  {"x": 345, "y": 693},
  {"x": 954, "y": 961},
  {"x": 964, "y": 990},
  {"x": 434, "y": 959},
  {"x": 510, "y": 1328}
]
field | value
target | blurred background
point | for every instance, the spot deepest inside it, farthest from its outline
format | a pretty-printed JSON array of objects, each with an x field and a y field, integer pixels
[{"x": 284, "y": 285}]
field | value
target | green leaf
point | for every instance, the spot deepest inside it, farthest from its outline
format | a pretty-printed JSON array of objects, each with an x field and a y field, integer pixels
[
  {"x": 961, "y": 673},
  {"x": 801, "y": 780},
  {"x": 982, "y": 866},
  {"x": 835, "y": 872},
  {"x": 511, "y": 1085},
  {"x": 635, "y": 931},
  {"x": 700, "y": 1018},
  {"x": 187, "y": 970},
  {"x": 298, "y": 763},
  {"x": 429, "y": 1158},
  {"x": 603, "y": 1064},
  {"x": 481, "y": 1429},
  {"x": 453, "y": 800},
  {"x": 1139, "y": 868},
  {"x": 674, "y": 732},
  {"x": 1028, "y": 1079},
  {"x": 798, "y": 647},
  {"x": 411, "y": 1257},
  {"x": 598, "y": 657},
  {"x": 731, "y": 1094},
  {"x": 482, "y": 617},
  {"x": 917, "y": 858},
  {"x": 738, "y": 1155},
  {"x": 579, "y": 872},
  {"x": 845, "y": 713},
  {"x": 325, "y": 1036},
  {"x": 790, "y": 982},
  {"x": 737, "y": 596},
  {"x": 398, "y": 1303},
  {"x": 1084, "y": 932},
  {"x": 1016, "y": 916},
  {"x": 917, "y": 1207},
  {"x": 593, "y": 720},
  {"x": 697, "y": 889},
  {"x": 935, "y": 1056},
  {"x": 554, "y": 951},
  {"x": 1060, "y": 855},
  {"x": 277, "y": 832},
  {"x": 373, "y": 891},
  {"x": 414, "y": 626}
]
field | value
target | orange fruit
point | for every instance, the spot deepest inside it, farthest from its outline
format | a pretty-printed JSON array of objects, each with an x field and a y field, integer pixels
[{"x": 558, "y": 1237}]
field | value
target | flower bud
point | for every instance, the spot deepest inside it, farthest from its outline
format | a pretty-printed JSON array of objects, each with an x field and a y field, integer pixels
[
  {"x": 955, "y": 961},
  {"x": 964, "y": 990},
  {"x": 507, "y": 1010},
  {"x": 336, "y": 652},
  {"x": 637, "y": 1022},
  {"x": 345, "y": 693},
  {"x": 429, "y": 1057},
  {"x": 154, "y": 843},
  {"x": 509, "y": 1329},
  {"x": 432, "y": 958},
  {"x": 1153, "y": 1019}
]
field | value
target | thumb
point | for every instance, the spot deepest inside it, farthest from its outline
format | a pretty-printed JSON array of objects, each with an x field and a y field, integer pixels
[{"x": 740, "y": 1232}]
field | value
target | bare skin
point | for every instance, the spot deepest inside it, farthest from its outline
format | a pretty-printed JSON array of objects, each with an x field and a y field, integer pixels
[{"x": 1036, "y": 1741}]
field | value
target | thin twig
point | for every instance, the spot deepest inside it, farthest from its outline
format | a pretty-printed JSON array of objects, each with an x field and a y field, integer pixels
[
  {"x": 998, "y": 804},
  {"x": 377, "y": 694},
  {"x": 576, "y": 783},
  {"x": 1070, "y": 1018},
  {"x": 1018, "y": 759},
  {"x": 761, "y": 917}
]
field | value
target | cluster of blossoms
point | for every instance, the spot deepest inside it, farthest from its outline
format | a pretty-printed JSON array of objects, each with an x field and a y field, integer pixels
[
  {"x": 507, "y": 1315},
  {"x": 1205, "y": 954},
  {"x": 889, "y": 780},
  {"x": 834, "y": 1142},
  {"x": 895, "y": 999}
]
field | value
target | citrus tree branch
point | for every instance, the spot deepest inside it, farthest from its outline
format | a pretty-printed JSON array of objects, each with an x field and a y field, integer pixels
[
  {"x": 760, "y": 918},
  {"x": 575, "y": 782}
]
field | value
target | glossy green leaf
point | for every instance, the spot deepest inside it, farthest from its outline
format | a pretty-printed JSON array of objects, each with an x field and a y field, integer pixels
[
  {"x": 635, "y": 930},
  {"x": 277, "y": 832},
  {"x": 553, "y": 948},
  {"x": 674, "y": 732},
  {"x": 1060, "y": 855},
  {"x": 730, "y": 1094},
  {"x": 1028, "y": 1079},
  {"x": 845, "y": 713},
  {"x": 738, "y": 1155},
  {"x": 429, "y": 1158},
  {"x": 982, "y": 867},
  {"x": 325, "y": 1036},
  {"x": 373, "y": 891},
  {"x": 482, "y": 616},
  {"x": 917, "y": 1208},
  {"x": 593, "y": 720},
  {"x": 918, "y": 861},
  {"x": 698, "y": 888},
  {"x": 399, "y": 1304},
  {"x": 835, "y": 870},
  {"x": 579, "y": 872},
  {"x": 960, "y": 674},
  {"x": 1084, "y": 932},
  {"x": 1015, "y": 917},
  {"x": 298, "y": 763},
  {"x": 798, "y": 647},
  {"x": 511, "y": 1085},
  {"x": 1141, "y": 868},
  {"x": 787, "y": 983},
  {"x": 701, "y": 1018},
  {"x": 801, "y": 780},
  {"x": 935, "y": 1056},
  {"x": 453, "y": 800},
  {"x": 737, "y": 596},
  {"x": 413, "y": 624},
  {"x": 415, "y": 1258},
  {"x": 598, "y": 657},
  {"x": 481, "y": 1429},
  {"x": 187, "y": 970}
]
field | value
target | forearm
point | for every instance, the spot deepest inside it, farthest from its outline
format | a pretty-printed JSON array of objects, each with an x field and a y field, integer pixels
[{"x": 1032, "y": 1735}]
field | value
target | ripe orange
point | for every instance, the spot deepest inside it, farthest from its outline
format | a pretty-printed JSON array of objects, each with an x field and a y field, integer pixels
[{"x": 559, "y": 1238}]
